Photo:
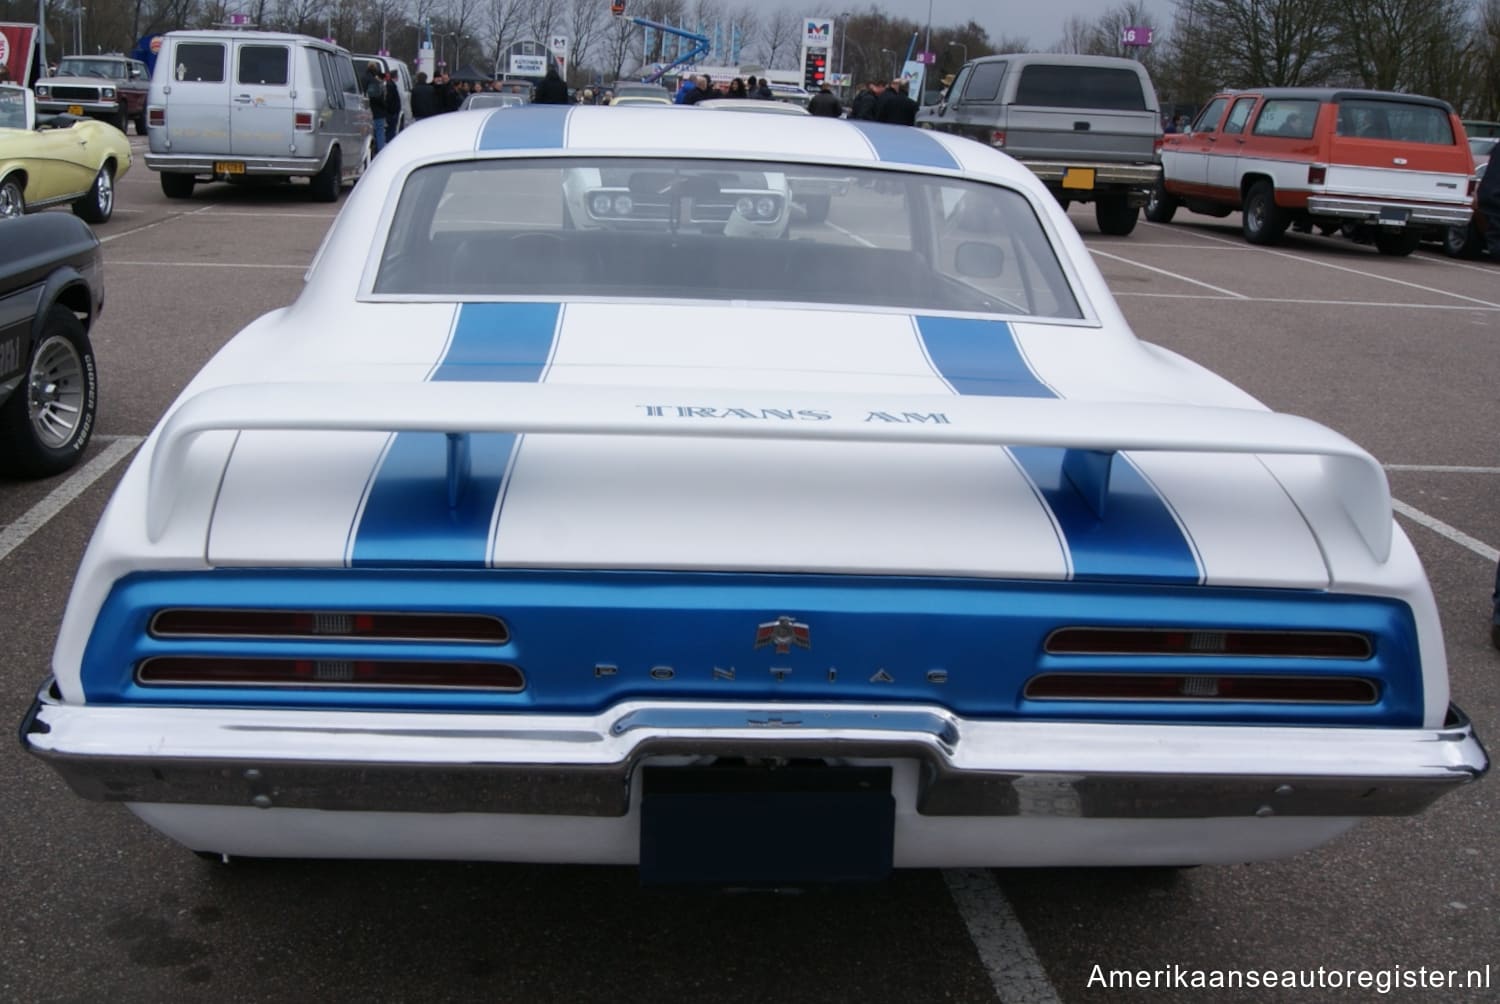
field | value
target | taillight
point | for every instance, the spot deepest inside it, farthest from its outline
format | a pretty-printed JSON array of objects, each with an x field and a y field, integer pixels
[
  {"x": 1473, "y": 186},
  {"x": 304, "y": 121},
  {"x": 997, "y": 138},
  {"x": 1156, "y": 146},
  {"x": 156, "y": 117},
  {"x": 196, "y": 671},
  {"x": 440, "y": 627},
  {"x": 1317, "y": 174},
  {"x": 1188, "y": 642},
  {"x": 1184, "y": 687}
]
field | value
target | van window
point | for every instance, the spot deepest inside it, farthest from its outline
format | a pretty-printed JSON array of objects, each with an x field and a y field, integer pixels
[
  {"x": 984, "y": 82},
  {"x": 1395, "y": 120},
  {"x": 1081, "y": 87},
  {"x": 959, "y": 82},
  {"x": 1288, "y": 118},
  {"x": 330, "y": 77},
  {"x": 348, "y": 81},
  {"x": 264, "y": 64},
  {"x": 198, "y": 62},
  {"x": 1238, "y": 116}
]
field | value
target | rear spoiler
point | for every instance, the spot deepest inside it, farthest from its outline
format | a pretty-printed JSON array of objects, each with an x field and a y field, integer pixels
[{"x": 1091, "y": 432}]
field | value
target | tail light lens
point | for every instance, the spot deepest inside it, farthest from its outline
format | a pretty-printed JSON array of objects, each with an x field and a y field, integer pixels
[
  {"x": 1195, "y": 641},
  {"x": 1185, "y": 687},
  {"x": 1317, "y": 174},
  {"x": 304, "y": 121},
  {"x": 192, "y": 671},
  {"x": 997, "y": 138},
  {"x": 1156, "y": 146},
  {"x": 438, "y": 627},
  {"x": 156, "y": 117},
  {"x": 1473, "y": 186}
]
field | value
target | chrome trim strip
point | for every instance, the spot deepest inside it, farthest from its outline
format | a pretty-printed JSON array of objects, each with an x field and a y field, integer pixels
[
  {"x": 584, "y": 765},
  {"x": 1420, "y": 212},
  {"x": 198, "y": 164}
]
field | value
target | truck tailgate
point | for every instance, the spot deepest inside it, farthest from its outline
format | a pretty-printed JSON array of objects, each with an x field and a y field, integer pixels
[{"x": 1033, "y": 133}]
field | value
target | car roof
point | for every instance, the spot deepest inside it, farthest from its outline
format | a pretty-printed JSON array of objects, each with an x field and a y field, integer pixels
[
  {"x": 666, "y": 131},
  {"x": 744, "y": 105},
  {"x": 1337, "y": 94}
]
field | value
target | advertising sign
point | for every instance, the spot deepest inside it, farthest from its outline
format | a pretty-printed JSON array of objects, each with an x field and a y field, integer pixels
[
  {"x": 18, "y": 50},
  {"x": 817, "y": 33},
  {"x": 528, "y": 66}
]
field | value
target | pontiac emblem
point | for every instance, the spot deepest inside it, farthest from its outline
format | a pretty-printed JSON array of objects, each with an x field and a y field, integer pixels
[{"x": 783, "y": 632}]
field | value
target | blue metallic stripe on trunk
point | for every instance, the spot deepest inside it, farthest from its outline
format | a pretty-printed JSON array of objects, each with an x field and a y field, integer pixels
[
  {"x": 407, "y": 519},
  {"x": 904, "y": 145},
  {"x": 588, "y": 639},
  {"x": 1138, "y": 538},
  {"x": 529, "y": 127}
]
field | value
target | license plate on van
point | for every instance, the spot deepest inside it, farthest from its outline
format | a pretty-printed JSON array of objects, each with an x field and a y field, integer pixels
[
  {"x": 75, "y": 109},
  {"x": 229, "y": 167},
  {"x": 1393, "y": 217},
  {"x": 1078, "y": 177}
]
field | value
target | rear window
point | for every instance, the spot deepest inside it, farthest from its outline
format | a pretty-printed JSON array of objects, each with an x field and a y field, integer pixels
[
  {"x": 1081, "y": 87},
  {"x": 1395, "y": 120},
  {"x": 758, "y": 231},
  {"x": 265, "y": 65},
  {"x": 198, "y": 62}
]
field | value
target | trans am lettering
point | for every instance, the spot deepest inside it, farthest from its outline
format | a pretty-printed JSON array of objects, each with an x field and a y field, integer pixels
[
  {"x": 756, "y": 414},
  {"x": 780, "y": 674},
  {"x": 909, "y": 417}
]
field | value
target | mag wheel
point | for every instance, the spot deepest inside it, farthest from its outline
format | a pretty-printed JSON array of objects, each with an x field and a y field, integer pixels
[
  {"x": 12, "y": 199},
  {"x": 1160, "y": 207},
  {"x": 98, "y": 205},
  {"x": 46, "y": 423}
]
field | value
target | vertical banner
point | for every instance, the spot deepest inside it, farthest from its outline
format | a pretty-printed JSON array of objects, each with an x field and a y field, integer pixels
[{"x": 18, "y": 51}]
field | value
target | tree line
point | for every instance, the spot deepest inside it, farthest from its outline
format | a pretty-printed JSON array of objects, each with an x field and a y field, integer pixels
[{"x": 1444, "y": 48}]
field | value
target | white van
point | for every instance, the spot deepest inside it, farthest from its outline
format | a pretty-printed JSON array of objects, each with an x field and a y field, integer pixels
[{"x": 235, "y": 105}]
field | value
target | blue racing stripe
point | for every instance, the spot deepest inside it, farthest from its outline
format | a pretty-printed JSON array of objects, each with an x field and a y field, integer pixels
[
  {"x": 528, "y": 127},
  {"x": 1138, "y": 538},
  {"x": 905, "y": 145},
  {"x": 407, "y": 518}
]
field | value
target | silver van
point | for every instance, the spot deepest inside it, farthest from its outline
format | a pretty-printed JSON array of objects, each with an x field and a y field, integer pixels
[{"x": 236, "y": 105}]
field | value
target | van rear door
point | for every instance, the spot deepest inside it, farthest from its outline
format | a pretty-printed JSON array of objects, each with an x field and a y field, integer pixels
[
  {"x": 1069, "y": 112},
  {"x": 195, "y": 95},
  {"x": 261, "y": 118}
]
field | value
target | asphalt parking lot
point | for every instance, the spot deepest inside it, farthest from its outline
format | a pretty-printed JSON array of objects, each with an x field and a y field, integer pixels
[{"x": 1398, "y": 354}]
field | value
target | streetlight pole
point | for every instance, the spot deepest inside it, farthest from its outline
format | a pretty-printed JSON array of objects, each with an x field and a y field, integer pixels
[
  {"x": 843, "y": 42},
  {"x": 895, "y": 67},
  {"x": 927, "y": 42},
  {"x": 961, "y": 46}
]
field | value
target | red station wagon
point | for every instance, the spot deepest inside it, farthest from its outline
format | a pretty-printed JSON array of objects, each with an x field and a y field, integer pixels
[{"x": 1385, "y": 167}]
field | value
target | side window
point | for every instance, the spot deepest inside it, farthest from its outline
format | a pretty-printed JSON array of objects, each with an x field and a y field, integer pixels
[
  {"x": 348, "y": 82},
  {"x": 138, "y": 71},
  {"x": 1287, "y": 118},
  {"x": 1238, "y": 116},
  {"x": 957, "y": 87},
  {"x": 1208, "y": 119},
  {"x": 198, "y": 62},
  {"x": 984, "y": 82},
  {"x": 264, "y": 65},
  {"x": 333, "y": 93}
]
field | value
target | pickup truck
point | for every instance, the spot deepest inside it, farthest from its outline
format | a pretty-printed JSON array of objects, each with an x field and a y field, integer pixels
[
  {"x": 1088, "y": 126},
  {"x": 108, "y": 87}
]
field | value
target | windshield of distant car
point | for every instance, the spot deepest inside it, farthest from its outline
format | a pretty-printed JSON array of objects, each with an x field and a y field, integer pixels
[
  {"x": 720, "y": 230},
  {"x": 492, "y": 100},
  {"x": 73, "y": 66}
]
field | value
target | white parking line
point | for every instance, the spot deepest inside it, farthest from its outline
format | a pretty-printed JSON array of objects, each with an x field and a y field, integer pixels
[
  {"x": 1468, "y": 266},
  {"x": 1015, "y": 971},
  {"x": 1441, "y": 469},
  {"x": 77, "y": 483},
  {"x": 1120, "y": 294},
  {"x": 1174, "y": 275},
  {"x": 1340, "y": 268},
  {"x": 203, "y": 264},
  {"x": 1454, "y": 534},
  {"x": 152, "y": 226}
]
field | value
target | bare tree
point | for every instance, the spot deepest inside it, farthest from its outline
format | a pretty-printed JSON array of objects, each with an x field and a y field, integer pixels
[{"x": 780, "y": 38}]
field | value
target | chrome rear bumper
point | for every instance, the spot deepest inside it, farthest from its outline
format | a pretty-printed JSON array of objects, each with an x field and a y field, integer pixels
[
  {"x": 1370, "y": 211},
  {"x": 584, "y": 765},
  {"x": 200, "y": 164}
]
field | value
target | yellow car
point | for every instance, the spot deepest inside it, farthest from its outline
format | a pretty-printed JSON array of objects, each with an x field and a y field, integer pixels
[{"x": 61, "y": 160}]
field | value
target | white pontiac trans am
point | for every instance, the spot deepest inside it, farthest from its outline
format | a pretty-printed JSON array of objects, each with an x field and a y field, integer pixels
[{"x": 742, "y": 553}]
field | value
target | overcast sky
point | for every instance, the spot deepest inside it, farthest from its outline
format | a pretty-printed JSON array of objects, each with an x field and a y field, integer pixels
[{"x": 1039, "y": 23}]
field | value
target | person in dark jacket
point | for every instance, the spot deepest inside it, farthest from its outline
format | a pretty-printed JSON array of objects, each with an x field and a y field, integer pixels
[
  {"x": 764, "y": 92},
  {"x": 392, "y": 107},
  {"x": 552, "y": 90},
  {"x": 866, "y": 101},
  {"x": 375, "y": 94},
  {"x": 888, "y": 106},
  {"x": 425, "y": 101},
  {"x": 825, "y": 104},
  {"x": 1488, "y": 203}
]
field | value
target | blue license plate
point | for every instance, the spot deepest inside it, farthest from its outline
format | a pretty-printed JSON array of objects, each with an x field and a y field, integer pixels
[{"x": 766, "y": 826}]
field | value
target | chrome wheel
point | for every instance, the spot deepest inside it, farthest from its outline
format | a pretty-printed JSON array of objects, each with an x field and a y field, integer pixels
[
  {"x": 12, "y": 202},
  {"x": 55, "y": 392},
  {"x": 104, "y": 193}
]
